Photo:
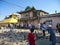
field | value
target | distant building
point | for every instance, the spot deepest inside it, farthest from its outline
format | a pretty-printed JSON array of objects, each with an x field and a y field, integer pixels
[
  {"x": 13, "y": 18},
  {"x": 51, "y": 19},
  {"x": 31, "y": 15}
]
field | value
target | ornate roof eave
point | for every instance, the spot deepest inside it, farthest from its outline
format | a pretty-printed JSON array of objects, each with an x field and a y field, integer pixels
[
  {"x": 24, "y": 11},
  {"x": 42, "y": 11},
  {"x": 27, "y": 10},
  {"x": 50, "y": 15}
]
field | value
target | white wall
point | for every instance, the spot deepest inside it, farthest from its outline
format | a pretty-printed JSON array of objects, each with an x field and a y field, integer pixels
[{"x": 55, "y": 20}]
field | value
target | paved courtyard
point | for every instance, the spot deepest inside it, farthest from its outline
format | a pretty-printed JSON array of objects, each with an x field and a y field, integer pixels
[{"x": 16, "y": 38}]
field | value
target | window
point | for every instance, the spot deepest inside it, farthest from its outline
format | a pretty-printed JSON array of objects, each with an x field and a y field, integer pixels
[{"x": 27, "y": 14}]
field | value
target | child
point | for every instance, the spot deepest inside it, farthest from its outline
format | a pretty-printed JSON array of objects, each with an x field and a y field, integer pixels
[{"x": 31, "y": 37}]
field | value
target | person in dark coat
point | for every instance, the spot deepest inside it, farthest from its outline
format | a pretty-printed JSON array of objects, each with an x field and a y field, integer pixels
[
  {"x": 58, "y": 28},
  {"x": 52, "y": 34}
]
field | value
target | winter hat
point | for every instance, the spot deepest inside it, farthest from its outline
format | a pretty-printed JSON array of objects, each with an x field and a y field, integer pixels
[{"x": 49, "y": 25}]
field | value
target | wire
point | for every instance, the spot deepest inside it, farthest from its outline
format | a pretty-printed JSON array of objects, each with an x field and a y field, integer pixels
[
  {"x": 11, "y": 3},
  {"x": 30, "y": 1}
]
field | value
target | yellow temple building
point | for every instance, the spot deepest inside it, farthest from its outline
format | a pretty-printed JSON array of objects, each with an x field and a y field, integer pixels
[{"x": 11, "y": 19}]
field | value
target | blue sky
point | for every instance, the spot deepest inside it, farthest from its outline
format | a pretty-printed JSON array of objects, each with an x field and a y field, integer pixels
[{"x": 12, "y": 6}]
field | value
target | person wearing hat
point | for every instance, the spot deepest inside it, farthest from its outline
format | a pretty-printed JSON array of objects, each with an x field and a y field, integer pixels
[{"x": 52, "y": 34}]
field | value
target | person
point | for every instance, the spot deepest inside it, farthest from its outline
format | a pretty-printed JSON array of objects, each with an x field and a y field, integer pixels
[
  {"x": 44, "y": 28},
  {"x": 58, "y": 27},
  {"x": 52, "y": 34},
  {"x": 30, "y": 25},
  {"x": 31, "y": 37}
]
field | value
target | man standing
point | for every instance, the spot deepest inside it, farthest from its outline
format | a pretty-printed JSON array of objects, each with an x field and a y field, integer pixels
[
  {"x": 52, "y": 34},
  {"x": 44, "y": 28}
]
